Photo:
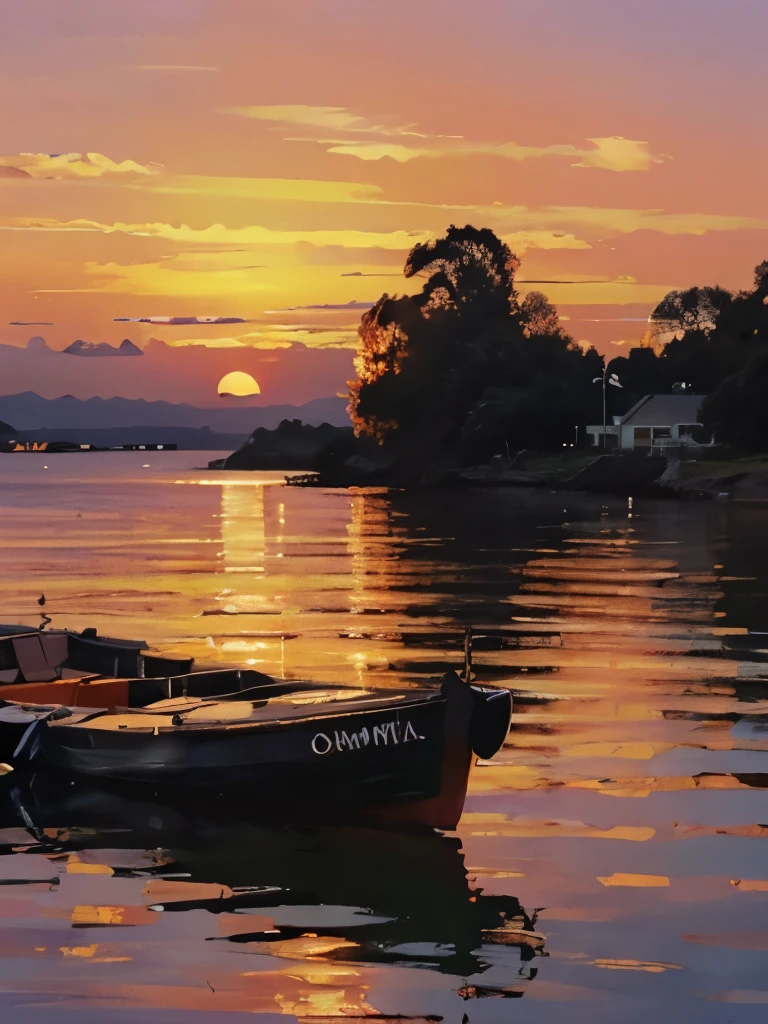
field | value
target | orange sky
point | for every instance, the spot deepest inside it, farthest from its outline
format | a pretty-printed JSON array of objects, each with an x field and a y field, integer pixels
[{"x": 248, "y": 160}]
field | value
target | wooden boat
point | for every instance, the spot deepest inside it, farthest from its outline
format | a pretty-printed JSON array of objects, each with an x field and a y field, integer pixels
[{"x": 83, "y": 706}]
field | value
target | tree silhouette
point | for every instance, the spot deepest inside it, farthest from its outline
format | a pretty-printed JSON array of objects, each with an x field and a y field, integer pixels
[
  {"x": 737, "y": 409},
  {"x": 703, "y": 336},
  {"x": 538, "y": 317},
  {"x": 469, "y": 270},
  {"x": 695, "y": 309},
  {"x": 457, "y": 358},
  {"x": 464, "y": 364},
  {"x": 761, "y": 280}
]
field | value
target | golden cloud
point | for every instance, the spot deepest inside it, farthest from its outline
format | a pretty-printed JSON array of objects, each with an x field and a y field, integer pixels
[
  {"x": 619, "y": 154},
  {"x": 288, "y": 189},
  {"x": 218, "y": 234},
  {"x": 616, "y": 292},
  {"x": 205, "y": 342},
  {"x": 519, "y": 241},
  {"x": 160, "y": 279},
  {"x": 286, "y": 335},
  {"x": 335, "y": 118},
  {"x": 539, "y": 225},
  {"x": 68, "y": 166},
  {"x": 378, "y": 150},
  {"x": 612, "y": 153},
  {"x": 277, "y": 336},
  {"x": 609, "y": 154},
  {"x": 616, "y": 220}
]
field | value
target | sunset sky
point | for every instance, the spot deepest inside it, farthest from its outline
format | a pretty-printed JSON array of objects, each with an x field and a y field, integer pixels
[{"x": 271, "y": 164}]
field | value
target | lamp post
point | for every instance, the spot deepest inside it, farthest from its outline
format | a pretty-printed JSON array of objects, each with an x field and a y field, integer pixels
[{"x": 606, "y": 379}]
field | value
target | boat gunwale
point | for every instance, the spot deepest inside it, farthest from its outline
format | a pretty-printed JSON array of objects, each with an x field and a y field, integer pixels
[{"x": 222, "y": 725}]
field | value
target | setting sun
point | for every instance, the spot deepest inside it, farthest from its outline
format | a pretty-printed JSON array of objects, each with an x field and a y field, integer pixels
[{"x": 238, "y": 384}]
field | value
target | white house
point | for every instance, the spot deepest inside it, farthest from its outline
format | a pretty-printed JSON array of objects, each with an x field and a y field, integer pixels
[{"x": 656, "y": 420}]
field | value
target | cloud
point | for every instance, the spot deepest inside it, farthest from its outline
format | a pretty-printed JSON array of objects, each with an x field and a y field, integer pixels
[
  {"x": 614, "y": 292},
  {"x": 102, "y": 348},
  {"x": 272, "y": 189},
  {"x": 270, "y": 336},
  {"x": 312, "y": 335},
  {"x": 360, "y": 273},
  {"x": 614, "y": 220},
  {"x": 207, "y": 261},
  {"x": 30, "y": 323},
  {"x": 524, "y": 227},
  {"x": 610, "y": 154},
  {"x": 334, "y": 118},
  {"x": 165, "y": 280},
  {"x": 571, "y": 279},
  {"x": 404, "y": 143},
  {"x": 218, "y": 234},
  {"x": 519, "y": 241},
  {"x": 180, "y": 321},
  {"x": 206, "y": 343},
  {"x": 580, "y": 279},
  {"x": 352, "y": 305},
  {"x": 69, "y": 166},
  {"x": 616, "y": 153}
]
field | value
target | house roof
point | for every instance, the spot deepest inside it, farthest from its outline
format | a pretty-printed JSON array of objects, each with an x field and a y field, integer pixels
[{"x": 663, "y": 411}]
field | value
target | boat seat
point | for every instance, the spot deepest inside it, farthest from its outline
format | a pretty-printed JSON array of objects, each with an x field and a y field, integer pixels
[
  {"x": 195, "y": 709},
  {"x": 33, "y": 662},
  {"x": 173, "y": 704},
  {"x": 39, "y": 657},
  {"x": 55, "y": 648},
  {"x": 88, "y": 690},
  {"x": 208, "y": 712}
]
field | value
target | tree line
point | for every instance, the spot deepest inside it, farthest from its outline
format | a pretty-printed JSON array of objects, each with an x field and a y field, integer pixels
[{"x": 468, "y": 363}]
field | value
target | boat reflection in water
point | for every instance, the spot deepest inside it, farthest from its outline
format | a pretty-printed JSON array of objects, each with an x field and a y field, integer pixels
[{"x": 341, "y": 894}]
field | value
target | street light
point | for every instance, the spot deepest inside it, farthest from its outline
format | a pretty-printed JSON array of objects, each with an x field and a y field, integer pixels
[{"x": 606, "y": 379}]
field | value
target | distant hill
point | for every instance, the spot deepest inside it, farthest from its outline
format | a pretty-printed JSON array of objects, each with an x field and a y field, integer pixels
[
  {"x": 6, "y": 428},
  {"x": 29, "y": 412}
]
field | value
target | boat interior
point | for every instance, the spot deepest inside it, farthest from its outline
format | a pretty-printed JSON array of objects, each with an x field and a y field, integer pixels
[
  {"x": 83, "y": 669},
  {"x": 92, "y": 673}
]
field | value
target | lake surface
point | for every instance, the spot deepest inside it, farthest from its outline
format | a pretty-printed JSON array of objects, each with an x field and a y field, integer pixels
[{"x": 612, "y": 861}]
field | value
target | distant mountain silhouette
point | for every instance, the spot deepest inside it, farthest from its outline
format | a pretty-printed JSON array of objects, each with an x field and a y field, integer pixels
[
  {"x": 38, "y": 345},
  {"x": 6, "y": 429},
  {"x": 103, "y": 348},
  {"x": 29, "y": 411}
]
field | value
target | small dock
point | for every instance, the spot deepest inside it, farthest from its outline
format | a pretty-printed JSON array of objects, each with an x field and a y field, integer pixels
[{"x": 304, "y": 480}]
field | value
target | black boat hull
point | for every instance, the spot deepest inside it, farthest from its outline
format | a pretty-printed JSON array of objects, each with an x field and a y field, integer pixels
[
  {"x": 367, "y": 754},
  {"x": 408, "y": 762}
]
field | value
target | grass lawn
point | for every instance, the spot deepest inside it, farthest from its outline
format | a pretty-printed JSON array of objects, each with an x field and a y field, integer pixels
[
  {"x": 723, "y": 467},
  {"x": 560, "y": 464}
]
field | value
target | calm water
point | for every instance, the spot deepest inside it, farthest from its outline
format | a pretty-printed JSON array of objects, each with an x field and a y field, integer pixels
[{"x": 611, "y": 862}]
